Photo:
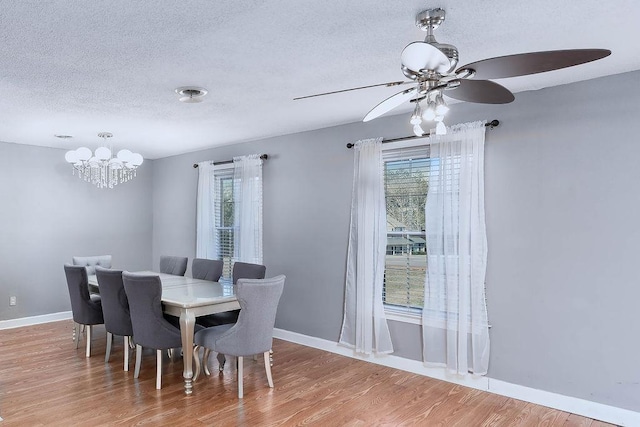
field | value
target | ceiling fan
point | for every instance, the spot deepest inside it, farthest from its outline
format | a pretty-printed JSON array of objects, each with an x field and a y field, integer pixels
[{"x": 430, "y": 67}]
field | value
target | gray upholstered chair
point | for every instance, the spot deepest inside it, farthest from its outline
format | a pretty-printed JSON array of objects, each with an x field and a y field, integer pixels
[
  {"x": 150, "y": 328},
  {"x": 175, "y": 265},
  {"x": 253, "y": 332},
  {"x": 241, "y": 270},
  {"x": 115, "y": 308},
  {"x": 206, "y": 269},
  {"x": 86, "y": 310},
  {"x": 90, "y": 262}
]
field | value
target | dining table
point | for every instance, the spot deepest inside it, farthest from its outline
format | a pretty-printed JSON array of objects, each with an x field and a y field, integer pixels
[{"x": 188, "y": 298}]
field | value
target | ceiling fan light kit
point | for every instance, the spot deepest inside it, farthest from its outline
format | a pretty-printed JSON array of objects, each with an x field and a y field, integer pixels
[{"x": 430, "y": 67}]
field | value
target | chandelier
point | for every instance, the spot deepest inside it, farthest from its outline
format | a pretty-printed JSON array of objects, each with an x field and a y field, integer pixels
[{"x": 101, "y": 168}]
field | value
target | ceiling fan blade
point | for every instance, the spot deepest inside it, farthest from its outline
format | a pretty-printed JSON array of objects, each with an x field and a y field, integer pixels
[
  {"x": 532, "y": 63},
  {"x": 390, "y": 103},
  {"x": 390, "y": 84},
  {"x": 481, "y": 91}
]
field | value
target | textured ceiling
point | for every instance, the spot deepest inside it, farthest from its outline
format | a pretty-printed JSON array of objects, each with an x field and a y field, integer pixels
[{"x": 82, "y": 67}]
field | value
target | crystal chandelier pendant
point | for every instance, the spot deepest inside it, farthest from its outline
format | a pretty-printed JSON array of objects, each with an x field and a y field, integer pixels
[{"x": 101, "y": 168}]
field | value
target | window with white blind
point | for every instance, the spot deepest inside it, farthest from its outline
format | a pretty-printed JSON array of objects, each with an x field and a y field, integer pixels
[
  {"x": 224, "y": 217},
  {"x": 406, "y": 181}
]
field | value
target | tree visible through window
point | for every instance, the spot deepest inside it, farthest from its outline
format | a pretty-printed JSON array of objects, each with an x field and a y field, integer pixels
[{"x": 406, "y": 184}]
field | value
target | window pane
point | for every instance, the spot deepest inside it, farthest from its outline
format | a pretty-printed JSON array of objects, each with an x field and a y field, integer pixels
[
  {"x": 226, "y": 193},
  {"x": 224, "y": 214},
  {"x": 406, "y": 185},
  {"x": 225, "y": 250}
]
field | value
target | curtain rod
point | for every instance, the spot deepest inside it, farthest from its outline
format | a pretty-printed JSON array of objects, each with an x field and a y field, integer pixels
[
  {"x": 493, "y": 123},
  {"x": 262, "y": 156}
]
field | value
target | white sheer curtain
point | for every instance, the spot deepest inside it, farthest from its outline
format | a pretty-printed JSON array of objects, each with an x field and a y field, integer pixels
[
  {"x": 364, "y": 327},
  {"x": 205, "y": 221},
  {"x": 247, "y": 195},
  {"x": 455, "y": 325}
]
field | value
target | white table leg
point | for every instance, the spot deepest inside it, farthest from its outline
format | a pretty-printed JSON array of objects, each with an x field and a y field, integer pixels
[{"x": 187, "y": 324}]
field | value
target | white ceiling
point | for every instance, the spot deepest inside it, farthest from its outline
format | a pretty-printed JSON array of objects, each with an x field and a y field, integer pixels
[{"x": 81, "y": 67}]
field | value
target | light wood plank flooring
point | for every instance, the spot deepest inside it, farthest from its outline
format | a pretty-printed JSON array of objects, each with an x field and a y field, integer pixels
[{"x": 44, "y": 380}]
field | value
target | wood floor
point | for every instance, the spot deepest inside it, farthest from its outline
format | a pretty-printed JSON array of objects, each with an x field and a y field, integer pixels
[{"x": 44, "y": 380}]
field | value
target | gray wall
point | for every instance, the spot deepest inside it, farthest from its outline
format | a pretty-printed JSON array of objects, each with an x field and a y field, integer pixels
[
  {"x": 562, "y": 215},
  {"x": 47, "y": 216},
  {"x": 562, "y": 219}
]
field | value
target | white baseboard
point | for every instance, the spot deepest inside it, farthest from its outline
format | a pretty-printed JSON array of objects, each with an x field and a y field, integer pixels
[
  {"x": 391, "y": 361},
  {"x": 34, "y": 320},
  {"x": 586, "y": 408}
]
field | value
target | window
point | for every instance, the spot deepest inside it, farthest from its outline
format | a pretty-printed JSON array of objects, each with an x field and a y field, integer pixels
[
  {"x": 229, "y": 212},
  {"x": 406, "y": 181},
  {"x": 224, "y": 217}
]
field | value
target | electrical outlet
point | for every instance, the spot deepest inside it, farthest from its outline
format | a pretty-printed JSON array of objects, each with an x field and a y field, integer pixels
[{"x": 12, "y": 301}]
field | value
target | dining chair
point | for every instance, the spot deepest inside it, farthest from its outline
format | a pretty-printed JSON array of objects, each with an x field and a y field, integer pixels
[
  {"x": 90, "y": 262},
  {"x": 86, "y": 309},
  {"x": 253, "y": 332},
  {"x": 206, "y": 269},
  {"x": 150, "y": 328},
  {"x": 245, "y": 270},
  {"x": 115, "y": 309},
  {"x": 241, "y": 270},
  {"x": 174, "y": 265}
]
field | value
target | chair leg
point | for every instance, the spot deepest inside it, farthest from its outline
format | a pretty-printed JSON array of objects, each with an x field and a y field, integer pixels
[
  {"x": 126, "y": 353},
  {"x": 240, "y": 388},
  {"x": 76, "y": 334},
  {"x": 196, "y": 362},
  {"x": 88, "y": 338},
  {"x": 205, "y": 361},
  {"x": 158, "y": 369},
  {"x": 221, "y": 360},
  {"x": 107, "y": 352},
  {"x": 136, "y": 371},
  {"x": 267, "y": 368}
]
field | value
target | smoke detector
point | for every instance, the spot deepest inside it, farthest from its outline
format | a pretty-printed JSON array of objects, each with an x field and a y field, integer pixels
[{"x": 191, "y": 94}]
